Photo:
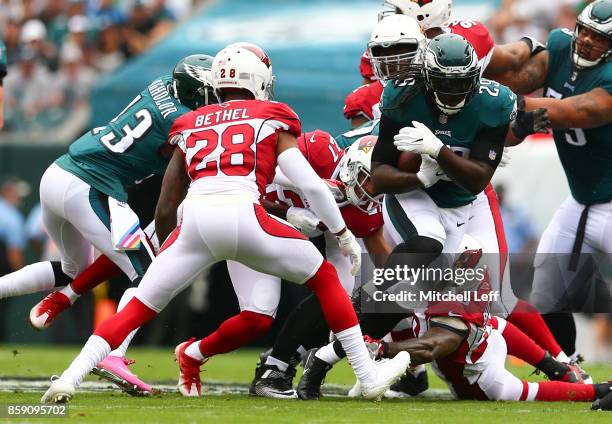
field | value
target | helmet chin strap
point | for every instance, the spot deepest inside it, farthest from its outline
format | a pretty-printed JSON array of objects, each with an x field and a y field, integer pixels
[{"x": 582, "y": 63}]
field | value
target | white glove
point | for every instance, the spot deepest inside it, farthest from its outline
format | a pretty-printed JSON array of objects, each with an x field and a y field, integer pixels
[
  {"x": 305, "y": 221},
  {"x": 505, "y": 159},
  {"x": 418, "y": 139},
  {"x": 429, "y": 172},
  {"x": 349, "y": 247}
]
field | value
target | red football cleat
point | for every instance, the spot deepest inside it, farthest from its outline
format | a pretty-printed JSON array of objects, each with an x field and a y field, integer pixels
[
  {"x": 189, "y": 383},
  {"x": 45, "y": 311}
]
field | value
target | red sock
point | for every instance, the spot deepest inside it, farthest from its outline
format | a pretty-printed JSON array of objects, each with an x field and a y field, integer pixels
[
  {"x": 235, "y": 332},
  {"x": 116, "y": 328},
  {"x": 99, "y": 271},
  {"x": 521, "y": 346},
  {"x": 529, "y": 320},
  {"x": 554, "y": 391},
  {"x": 335, "y": 303}
]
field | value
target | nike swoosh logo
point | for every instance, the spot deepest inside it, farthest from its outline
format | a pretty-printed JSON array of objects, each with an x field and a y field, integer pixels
[
  {"x": 312, "y": 139},
  {"x": 459, "y": 225},
  {"x": 439, "y": 174}
]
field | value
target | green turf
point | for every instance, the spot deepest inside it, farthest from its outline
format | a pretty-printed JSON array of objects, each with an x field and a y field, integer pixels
[{"x": 157, "y": 365}]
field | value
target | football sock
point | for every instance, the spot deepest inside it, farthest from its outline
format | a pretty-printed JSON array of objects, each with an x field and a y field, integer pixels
[
  {"x": 328, "y": 354},
  {"x": 120, "y": 351},
  {"x": 554, "y": 391},
  {"x": 357, "y": 353},
  {"x": 530, "y": 322},
  {"x": 99, "y": 271},
  {"x": 33, "y": 278},
  {"x": 116, "y": 328},
  {"x": 235, "y": 332},
  {"x": 270, "y": 360},
  {"x": 563, "y": 328},
  {"x": 94, "y": 351},
  {"x": 521, "y": 346},
  {"x": 70, "y": 294}
]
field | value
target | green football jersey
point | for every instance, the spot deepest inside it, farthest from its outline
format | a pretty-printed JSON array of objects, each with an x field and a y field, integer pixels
[
  {"x": 493, "y": 106},
  {"x": 345, "y": 140},
  {"x": 2, "y": 59},
  {"x": 115, "y": 156},
  {"x": 586, "y": 154}
]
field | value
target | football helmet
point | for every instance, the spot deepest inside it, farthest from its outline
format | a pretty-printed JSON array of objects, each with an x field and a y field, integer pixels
[
  {"x": 428, "y": 13},
  {"x": 451, "y": 72},
  {"x": 355, "y": 173},
  {"x": 192, "y": 81},
  {"x": 597, "y": 17},
  {"x": 246, "y": 66},
  {"x": 393, "y": 46}
]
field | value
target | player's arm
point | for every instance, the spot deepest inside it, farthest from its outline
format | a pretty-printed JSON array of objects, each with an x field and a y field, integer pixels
[
  {"x": 507, "y": 57},
  {"x": 358, "y": 120},
  {"x": 378, "y": 248},
  {"x": 386, "y": 177},
  {"x": 475, "y": 173},
  {"x": 276, "y": 209},
  {"x": 529, "y": 77},
  {"x": 173, "y": 191},
  {"x": 438, "y": 342},
  {"x": 588, "y": 110}
]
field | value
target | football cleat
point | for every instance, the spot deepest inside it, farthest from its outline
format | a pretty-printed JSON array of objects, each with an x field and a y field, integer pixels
[
  {"x": 271, "y": 382},
  {"x": 604, "y": 404},
  {"x": 115, "y": 370},
  {"x": 582, "y": 374},
  {"x": 387, "y": 373},
  {"x": 60, "y": 391},
  {"x": 45, "y": 311},
  {"x": 315, "y": 370},
  {"x": 410, "y": 384},
  {"x": 189, "y": 383}
]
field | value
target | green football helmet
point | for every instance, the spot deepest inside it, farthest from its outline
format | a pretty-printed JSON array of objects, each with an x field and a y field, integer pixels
[
  {"x": 451, "y": 72},
  {"x": 597, "y": 17},
  {"x": 192, "y": 81}
]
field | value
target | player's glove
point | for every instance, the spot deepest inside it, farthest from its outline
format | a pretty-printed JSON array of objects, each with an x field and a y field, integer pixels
[
  {"x": 534, "y": 45},
  {"x": 305, "y": 221},
  {"x": 527, "y": 123},
  {"x": 418, "y": 139},
  {"x": 505, "y": 159},
  {"x": 429, "y": 172},
  {"x": 349, "y": 247},
  {"x": 376, "y": 348}
]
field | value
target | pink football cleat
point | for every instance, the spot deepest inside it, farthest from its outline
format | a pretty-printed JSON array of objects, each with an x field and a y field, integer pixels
[
  {"x": 45, "y": 311},
  {"x": 115, "y": 370},
  {"x": 189, "y": 383}
]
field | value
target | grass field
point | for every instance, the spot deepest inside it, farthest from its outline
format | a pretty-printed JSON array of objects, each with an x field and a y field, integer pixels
[{"x": 229, "y": 404}]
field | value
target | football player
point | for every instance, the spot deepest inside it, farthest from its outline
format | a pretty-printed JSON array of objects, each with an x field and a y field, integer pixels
[
  {"x": 226, "y": 155},
  {"x": 577, "y": 78},
  {"x": 77, "y": 193}
]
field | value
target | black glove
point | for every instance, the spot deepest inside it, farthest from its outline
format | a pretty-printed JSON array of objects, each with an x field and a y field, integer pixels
[
  {"x": 534, "y": 45},
  {"x": 527, "y": 123}
]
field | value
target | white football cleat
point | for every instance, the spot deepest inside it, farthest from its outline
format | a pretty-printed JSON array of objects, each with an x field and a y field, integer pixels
[
  {"x": 60, "y": 391},
  {"x": 355, "y": 391},
  {"x": 387, "y": 373}
]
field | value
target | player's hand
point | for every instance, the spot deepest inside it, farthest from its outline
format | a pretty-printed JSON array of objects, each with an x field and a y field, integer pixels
[
  {"x": 305, "y": 221},
  {"x": 505, "y": 159},
  {"x": 527, "y": 123},
  {"x": 376, "y": 348},
  {"x": 349, "y": 247},
  {"x": 418, "y": 139},
  {"x": 429, "y": 172}
]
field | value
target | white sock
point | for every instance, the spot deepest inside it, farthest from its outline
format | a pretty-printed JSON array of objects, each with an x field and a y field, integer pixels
[
  {"x": 29, "y": 279},
  {"x": 328, "y": 354},
  {"x": 271, "y": 360},
  {"x": 127, "y": 296},
  {"x": 302, "y": 352},
  {"x": 70, "y": 294},
  {"x": 193, "y": 351},
  {"x": 415, "y": 371},
  {"x": 562, "y": 357},
  {"x": 94, "y": 351},
  {"x": 357, "y": 354}
]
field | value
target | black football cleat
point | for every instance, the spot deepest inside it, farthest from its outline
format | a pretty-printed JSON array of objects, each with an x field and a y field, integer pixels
[
  {"x": 604, "y": 404},
  {"x": 409, "y": 385},
  {"x": 271, "y": 382},
  {"x": 315, "y": 370}
]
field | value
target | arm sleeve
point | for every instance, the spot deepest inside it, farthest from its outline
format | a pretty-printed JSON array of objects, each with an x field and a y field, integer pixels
[
  {"x": 489, "y": 145},
  {"x": 293, "y": 164},
  {"x": 384, "y": 150}
]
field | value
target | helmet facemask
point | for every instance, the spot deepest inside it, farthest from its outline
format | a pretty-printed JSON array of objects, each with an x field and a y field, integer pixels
[
  {"x": 451, "y": 92},
  {"x": 357, "y": 192},
  {"x": 395, "y": 61}
]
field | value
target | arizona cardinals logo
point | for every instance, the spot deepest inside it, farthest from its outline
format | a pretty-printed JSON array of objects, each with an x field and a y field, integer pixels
[
  {"x": 258, "y": 52},
  {"x": 367, "y": 143},
  {"x": 199, "y": 73},
  {"x": 421, "y": 2}
]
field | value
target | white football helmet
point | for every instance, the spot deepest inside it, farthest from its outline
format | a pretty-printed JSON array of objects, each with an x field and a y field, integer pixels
[
  {"x": 355, "y": 173},
  {"x": 428, "y": 13},
  {"x": 246, "y": 66},
  {"x": 394, "y": 45},
  {"x": 597, "y": 17}
]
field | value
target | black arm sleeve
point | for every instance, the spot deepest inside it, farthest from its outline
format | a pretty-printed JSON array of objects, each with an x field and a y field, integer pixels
[
  {"x": 489, "y": 145},
  {"x": 384, "y": 150}
]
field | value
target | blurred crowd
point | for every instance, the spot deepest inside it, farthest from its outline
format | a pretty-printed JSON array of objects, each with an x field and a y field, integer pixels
[{"x": 57, "y": 48}]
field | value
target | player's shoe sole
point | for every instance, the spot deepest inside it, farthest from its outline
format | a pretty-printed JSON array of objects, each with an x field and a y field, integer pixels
[{"x": 130, "y": 388}]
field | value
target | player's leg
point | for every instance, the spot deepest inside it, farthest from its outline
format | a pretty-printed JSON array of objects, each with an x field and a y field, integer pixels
[{"x": 272, "y": 246}]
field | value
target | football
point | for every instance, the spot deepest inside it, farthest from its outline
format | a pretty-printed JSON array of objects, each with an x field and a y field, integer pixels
[{"x": 409, "y": 162}]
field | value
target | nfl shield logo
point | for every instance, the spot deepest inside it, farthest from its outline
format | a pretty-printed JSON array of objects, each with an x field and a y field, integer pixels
[{"x": 492, "y": 154}]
